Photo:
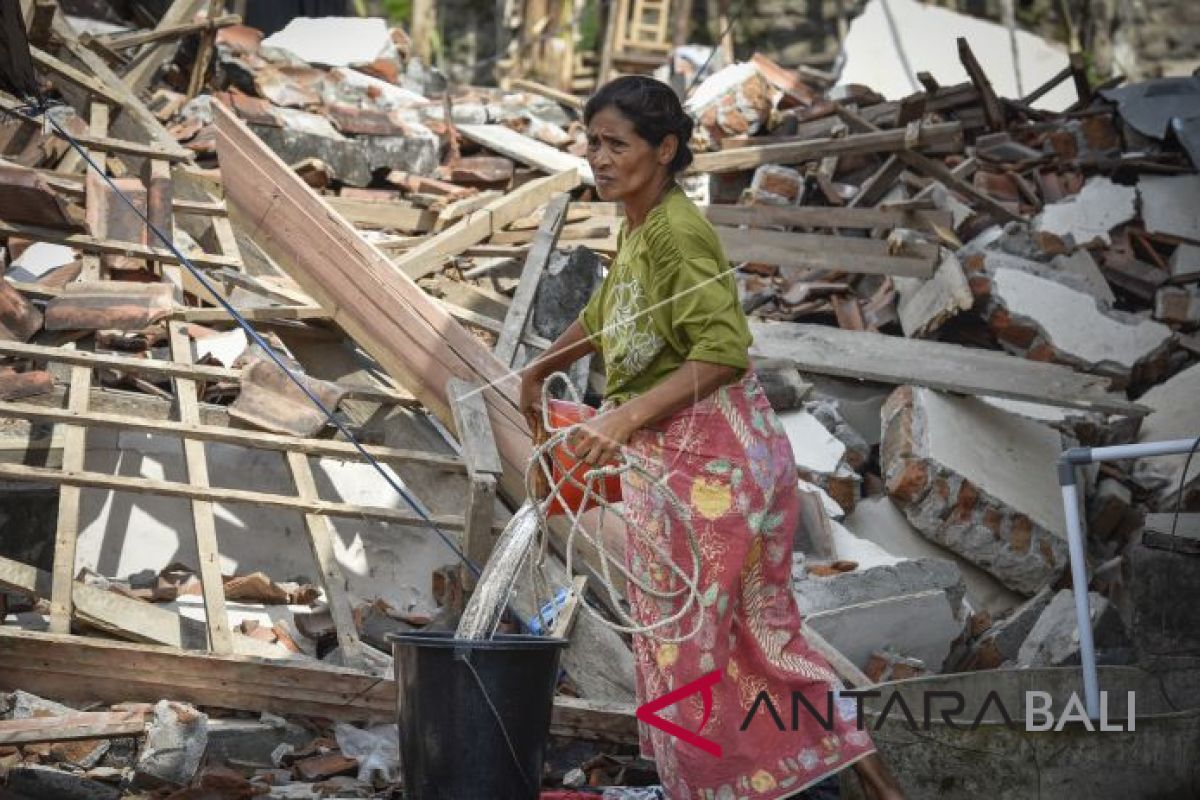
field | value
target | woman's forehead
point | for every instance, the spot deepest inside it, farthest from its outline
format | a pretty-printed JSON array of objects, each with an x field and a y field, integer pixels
[{"x": 609, "y": 120}]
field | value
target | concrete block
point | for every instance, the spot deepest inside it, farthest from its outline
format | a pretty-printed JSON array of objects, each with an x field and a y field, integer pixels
[
  {"x": 879, "y": 520},
  {"x": 925, "y": 306},
  {"x": 1176, "y": 416},
  {"x": 1047, "y": 320},
  {"x": 859, "y": 402},
  {"x": 1001, "y": 642},
  {"x": 736, "y": 100},
  {"x": 1054, "y": 639},
  {"x": 921, "y": 625},
  {"x": 816, "y": 593},
  {"x": 1088, "y": 428},
  {"x": 1178, "y": 304},
  {"x": 977, "y": 481},
  {"x": 175, "y": 743}
]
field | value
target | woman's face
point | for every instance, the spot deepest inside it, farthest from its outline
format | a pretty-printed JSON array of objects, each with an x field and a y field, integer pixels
[{"x": 624, "y": 164}]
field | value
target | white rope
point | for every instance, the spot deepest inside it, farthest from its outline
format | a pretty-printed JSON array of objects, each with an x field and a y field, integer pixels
[{"x": 545, "y": 458}]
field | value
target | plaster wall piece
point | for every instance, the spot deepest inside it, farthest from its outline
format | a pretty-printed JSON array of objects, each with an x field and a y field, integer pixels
[
  {"x": 224, "y": 348},
  {"x": 816, "y": 449},
  {"x": 1073, "y": 324},
  {"x": 1176, "y": 416},
  {"x": 1171, "y": 205},
  {"x": 352, "y": 86},
  {"x": 926, "y": 305},
  {"x": 735, "y": 101},
  {"x": 1185, "y": 262},
  {"x": 921, "y": 625},
  {"x": 881, "y": 521},
  {"x": 1088, "y": 428},
  {"x": 1083, "y": 267},
  {"x": 1086, "y": 218},
  {"x": 333, "y": 41},
  {"x": 864, "y": 552},
  {"x": 39, "y": 259},
  {"x": 1000, "y": 644},
  {"x": 880, "y": 56},
  {"x": 977, "y": 481},
  {"x": 859, "y": 402},
  {"x": 815, "y": 593}
]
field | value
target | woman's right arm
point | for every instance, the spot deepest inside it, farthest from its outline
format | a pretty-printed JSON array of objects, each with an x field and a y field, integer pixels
[{"x": 572, "y": 345}]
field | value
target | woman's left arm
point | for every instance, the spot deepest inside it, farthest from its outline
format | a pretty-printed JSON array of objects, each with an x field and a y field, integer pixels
[{"x": 598, "y": 440}]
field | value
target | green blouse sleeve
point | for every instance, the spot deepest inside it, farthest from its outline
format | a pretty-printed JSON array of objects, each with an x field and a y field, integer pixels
[{"x": 695, "y": 293}]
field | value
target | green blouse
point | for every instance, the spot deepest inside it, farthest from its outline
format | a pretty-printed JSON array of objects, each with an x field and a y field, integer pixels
[{"x": 669, "y": 297}]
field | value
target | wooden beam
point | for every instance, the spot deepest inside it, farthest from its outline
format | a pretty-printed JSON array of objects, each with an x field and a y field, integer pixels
[
  {"x": 91, "y": 244},
  {"x": 240, "y": 437},
  {"x": 169, "y": 369},
  {"x": 820, "y": 251},
  {"x": 428, "y": 256},
  {"x": 103, "y": 144},
  {"x": 374, "y": 213},
  {"x": 544, "y": 240},
  {"x": 993, "y": 111},
  {"x": 320, "y": 539},
  {"x": 939, "y": 365},
  {"x": 255, "y": 314},
  {"x": 139, "y": 76},
  {"x": 826, "y": 217},
  {"x": 203, "y": 519},
  {"x": 75, "y": 668},
  {"x": 73, "y": 727},
  {"x": 117, "y": 483},
  {"x": 745, "y": 158},
  {"x": 123, "y": 41},
  {"x": 75, "y": 77}
]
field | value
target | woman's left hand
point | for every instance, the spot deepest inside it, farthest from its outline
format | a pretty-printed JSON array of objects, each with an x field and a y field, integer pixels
[{"x": 598, "y": 440}]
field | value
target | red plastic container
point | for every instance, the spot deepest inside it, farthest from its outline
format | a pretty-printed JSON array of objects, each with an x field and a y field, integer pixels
[{"x": 562, "y": 414}]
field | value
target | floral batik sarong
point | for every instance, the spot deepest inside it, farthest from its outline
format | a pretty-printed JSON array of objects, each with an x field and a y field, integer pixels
[{"x": 729, "y": 462}]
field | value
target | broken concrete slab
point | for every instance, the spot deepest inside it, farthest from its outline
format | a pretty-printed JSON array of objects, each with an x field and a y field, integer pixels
[
  {"x": 175, "y": 743},
  {"x": 921, "y": 625},
  {"x": 35, "y": 782},
  {"x": 1084, "y": 268},
  {"x": 1054, "y": 639},
  {"x": 1045, "y": 320},
  {"x": 925, "y": 306},
  {"x": 1000, "y": 643},
  {"x": 1176, "y": 416},
  {"x": 1185, "y": 262},
  {"x": 1169, "y": 204},
  {"x": 977, "y": 481},
  {"x": 817, "y": 451},
  {"x": 859, "y": 402},
  {"x": 816, "y": 593},
  {"x": 38, "y": 260},
  {"x": 1086, "y": 218},
  {"x": 879, "y": 520},
  {"x": 1088, "y": 428},
  {"x": 333, "y": 41}
]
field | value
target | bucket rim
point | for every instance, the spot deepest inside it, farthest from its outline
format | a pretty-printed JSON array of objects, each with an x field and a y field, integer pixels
[{"x": 501, "y": 641}]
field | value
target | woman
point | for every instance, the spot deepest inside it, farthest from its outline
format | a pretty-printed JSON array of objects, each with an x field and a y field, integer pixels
[{"x": 681, "y": 395}]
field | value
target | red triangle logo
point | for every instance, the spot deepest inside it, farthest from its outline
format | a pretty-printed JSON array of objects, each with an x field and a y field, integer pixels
[{"x": 703, "y": 685}]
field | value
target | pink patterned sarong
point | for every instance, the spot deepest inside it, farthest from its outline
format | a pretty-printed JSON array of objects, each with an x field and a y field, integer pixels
[{"x": 728, "y": 460}]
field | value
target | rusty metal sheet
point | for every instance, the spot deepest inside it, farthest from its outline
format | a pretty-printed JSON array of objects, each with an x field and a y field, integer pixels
[
  {"x": 269, "y": 400},
  {"x": 19, "y": 320},
  {"x": 15, "y": 385},
  {"x": 26, "y": 198},
  {"x": 109, "y": 305}
]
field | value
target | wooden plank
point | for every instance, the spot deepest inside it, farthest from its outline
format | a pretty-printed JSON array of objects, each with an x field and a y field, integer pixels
[
  {"x": 104, "y": 144},
  {"x": 428, "y": 256},
  {"x": 123, "y": 41},
  {"x": 519, "y": 147},
  {"x": 140, "y": 75},
  {"x": 478, "y": 444},
  {"x": 411, "y": 336},
  {"x": 203, "y": 519},
  {"x": 826, "y": 217},
  {"x": 862, "y": 256},
  {"x": 255, "y": 314},
  {"x": 73, "y": 668},
  {"x": 744, "y": 158},
  {"x": 99, "y": 480},
  {"x": 557, "y": 95},
  {"x": 240, "y": 437},
  {"x": 993, "y": 111},
  {"x": 320, "y": 539},
  {"x": 169, "y": 369},
  {"x": 75, "y": 77},
  {"x": 517, "y": 317},
  {"x": 938, "y": 365},
  {"x": 91, "y": 244},
  {"x": 566, "y": 615},
  {"x": 73, "y": 727},
  {"x": 400, "y": 216}
]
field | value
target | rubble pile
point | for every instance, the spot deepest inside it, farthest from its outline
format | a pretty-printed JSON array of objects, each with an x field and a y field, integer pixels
[{"x": 947, "y": 289}]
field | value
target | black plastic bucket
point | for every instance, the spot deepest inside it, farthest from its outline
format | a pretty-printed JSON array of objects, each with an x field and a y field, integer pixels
[{"x": 452, "y": 739}]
